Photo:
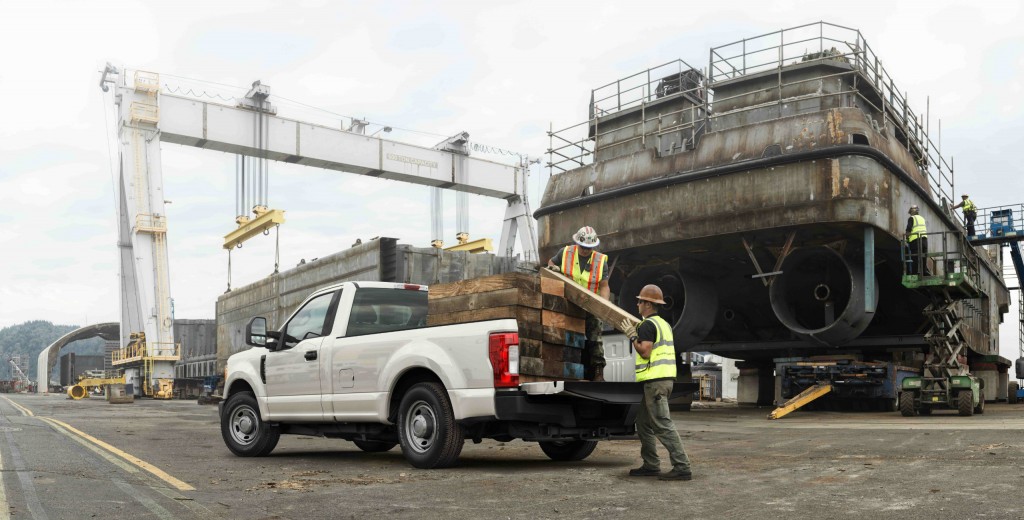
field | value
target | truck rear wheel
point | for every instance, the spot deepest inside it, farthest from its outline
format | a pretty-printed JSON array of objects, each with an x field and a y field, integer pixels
[
  {"x": 1011, "y": 392},
  {"x": 965, "y": 403},
  {"x": 568, "y": 450},
  {"x": 374, "y": 446},
  {"x": 907, "y": 404},
  {"x": 427, "y": 430},
  {"x": 244, "y": 432}
]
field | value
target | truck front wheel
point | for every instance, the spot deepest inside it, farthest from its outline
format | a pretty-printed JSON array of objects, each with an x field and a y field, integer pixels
[
  {"x": 568, "y": 450},
  {"x": 907, "y": 404},
  {"x": 427, "y": 430},
  {"x": 244, "y": 432}
]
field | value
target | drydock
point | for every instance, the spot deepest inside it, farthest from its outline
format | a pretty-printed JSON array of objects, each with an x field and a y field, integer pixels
[{"x": 768, "y": 194}]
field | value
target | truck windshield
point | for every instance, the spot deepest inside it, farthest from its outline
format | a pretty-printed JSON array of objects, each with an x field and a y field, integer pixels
[{"x": 386, "y": 310}]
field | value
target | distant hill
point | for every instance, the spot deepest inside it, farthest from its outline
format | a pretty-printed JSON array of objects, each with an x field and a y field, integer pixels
[{"x": 30, "y": 338}]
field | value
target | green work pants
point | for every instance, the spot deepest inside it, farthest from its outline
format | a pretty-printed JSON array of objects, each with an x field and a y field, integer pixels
[{"x": 654, "y": 423}]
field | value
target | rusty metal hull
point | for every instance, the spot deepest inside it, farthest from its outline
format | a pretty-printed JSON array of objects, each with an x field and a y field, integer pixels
[{"x": 761, "y": 183}]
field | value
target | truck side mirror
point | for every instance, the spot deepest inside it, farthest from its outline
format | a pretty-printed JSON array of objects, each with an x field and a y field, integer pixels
[{"x": 256, "y": 332}]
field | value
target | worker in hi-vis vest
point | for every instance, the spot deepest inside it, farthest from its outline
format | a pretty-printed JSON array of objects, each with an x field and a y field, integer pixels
[
  {"x": 588, "y": 269},
  {"x": 656, "y": 370},
  {"x": 970, "y": 213},
  {"x": 917, "y": 239}
]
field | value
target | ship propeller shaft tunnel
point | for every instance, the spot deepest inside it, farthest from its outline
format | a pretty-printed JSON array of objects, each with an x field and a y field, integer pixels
[{"x": 820, "y": 296}]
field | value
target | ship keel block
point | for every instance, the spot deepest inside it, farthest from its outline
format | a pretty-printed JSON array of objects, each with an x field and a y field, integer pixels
[{"x": 820, "y": 296}]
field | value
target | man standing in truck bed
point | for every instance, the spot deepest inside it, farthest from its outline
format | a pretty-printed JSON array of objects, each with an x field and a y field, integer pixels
[{"x": 588, "y": 268}]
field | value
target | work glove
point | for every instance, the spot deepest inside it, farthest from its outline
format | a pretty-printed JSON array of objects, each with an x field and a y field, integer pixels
[
  {"x": 554, "y": 268},
  {"x": 629, "y": 329}
]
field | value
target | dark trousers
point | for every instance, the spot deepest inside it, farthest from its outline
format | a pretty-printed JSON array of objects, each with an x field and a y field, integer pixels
[
  {"x": 970, "y": 217},
  {"x": 918, "y": 257}
]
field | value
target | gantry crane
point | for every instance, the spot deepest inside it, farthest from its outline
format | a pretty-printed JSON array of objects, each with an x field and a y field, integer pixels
[{"x": 146, "y": 117}]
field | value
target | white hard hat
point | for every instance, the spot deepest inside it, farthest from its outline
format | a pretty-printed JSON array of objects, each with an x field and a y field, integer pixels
[{"x": 586, "y": 237}]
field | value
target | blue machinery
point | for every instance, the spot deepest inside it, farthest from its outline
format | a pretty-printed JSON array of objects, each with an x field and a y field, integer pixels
[{"x": 996, "y": 226}]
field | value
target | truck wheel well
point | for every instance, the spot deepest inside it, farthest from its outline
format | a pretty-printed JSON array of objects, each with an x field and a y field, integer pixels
[
  {"x": 238, "y": 386},
  {"x": 408, "y": 379}
]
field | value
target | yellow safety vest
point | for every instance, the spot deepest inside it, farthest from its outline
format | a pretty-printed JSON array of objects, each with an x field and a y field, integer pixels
[
  {"x": 918, "y": 229},
  {"x": 571, "y": 267},
  {"x": 969, "y": 206},
  {"x": 662, "y": 363}
]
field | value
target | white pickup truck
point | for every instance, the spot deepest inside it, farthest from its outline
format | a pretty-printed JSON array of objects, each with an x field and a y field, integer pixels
[{"x": 356, "y": 361}]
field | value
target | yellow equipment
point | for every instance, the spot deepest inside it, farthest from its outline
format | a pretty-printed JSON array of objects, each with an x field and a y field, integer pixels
[
  {"x": 81, "y": 389},
  {"x": 800, "y": 400}
]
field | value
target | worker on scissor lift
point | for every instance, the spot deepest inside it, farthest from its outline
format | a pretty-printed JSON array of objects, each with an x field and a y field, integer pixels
[
  {"x": 970, "y": 213},
  {"x": 917, "y": 239},
  {"x": 588, "y": 268}
]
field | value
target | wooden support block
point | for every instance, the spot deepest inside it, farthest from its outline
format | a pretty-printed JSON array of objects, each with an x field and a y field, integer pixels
[
  {"x": 484, "y": 300},
  {"x": 524, "y": 281},
  {"x": 529, "y": 347},
  {"x": 575, "y": 340},
  {"x": 571, "y": 355},
  {"x": 561, "y": 321},
  {"x": 531, "y": 366},
  {"x": 552, "y": 286},
  {"x": 528, "y": 320},
  {"x": 572, "y": 370},
  {"x": 560, "y": 305},
  {"x": 605, "y": 310},
  {"x": 550, "y": 352}
]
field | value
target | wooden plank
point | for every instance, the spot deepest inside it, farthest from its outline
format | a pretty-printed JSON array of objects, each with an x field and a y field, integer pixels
[
  {"x": 572, "y": 355},
  {"x": 563, "y": 337},
  {"x": 531, "y": 366},
  {"x": 572, "y": 370},
  {"x": 605, "y": 310},
  {"x": 524, "y": 281},
  {"x": 484, "y": 300},
  {"x": 552, "y": 287},
  {"x": 530, "y": 347},
  {"x": 561, "y": 321},
  {"x": 493, "y": 313},
  {"x": 560, "y": 305},
  {"x": 551, "y": 352}
]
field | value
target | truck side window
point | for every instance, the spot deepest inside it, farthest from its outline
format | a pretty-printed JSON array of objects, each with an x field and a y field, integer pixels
[
  {"x": 310, "y": 321},
  {"x": 386, "y": 310}
]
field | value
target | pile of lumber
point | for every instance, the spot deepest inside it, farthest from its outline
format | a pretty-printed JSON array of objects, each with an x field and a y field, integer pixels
[{"x": 551, "y": 329}]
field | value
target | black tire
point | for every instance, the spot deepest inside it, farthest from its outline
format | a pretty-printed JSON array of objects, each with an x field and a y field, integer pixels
[
  {"x": 907, "y": 404},
  {"x": 427, "y": 430},
  {"x": 1011, "y": 393},
  {"x": 980, "y": 409},
  {"x": 374, "y": 446},
  {"x": 568, "y": 450},
  {"x": 244, "y": 431},
  {"x": 965, "y": 403}
]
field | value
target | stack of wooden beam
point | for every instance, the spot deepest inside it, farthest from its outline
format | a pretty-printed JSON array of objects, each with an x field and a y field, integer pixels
[{"x": 551, "y": 329}]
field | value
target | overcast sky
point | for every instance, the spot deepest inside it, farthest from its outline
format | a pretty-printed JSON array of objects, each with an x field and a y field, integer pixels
[{"x": 503, "y": 71}]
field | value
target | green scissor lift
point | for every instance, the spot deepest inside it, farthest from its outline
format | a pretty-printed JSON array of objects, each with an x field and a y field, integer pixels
[{"x": 953, "y": 277}]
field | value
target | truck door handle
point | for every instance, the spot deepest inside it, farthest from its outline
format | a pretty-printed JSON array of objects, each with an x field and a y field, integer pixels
[{"x": 310, "y": 355}]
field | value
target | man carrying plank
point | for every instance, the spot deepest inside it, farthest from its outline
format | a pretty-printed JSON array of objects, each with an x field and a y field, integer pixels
[
  {"x": 656, "y": 370},
  {"x": 588, "y": 268}
]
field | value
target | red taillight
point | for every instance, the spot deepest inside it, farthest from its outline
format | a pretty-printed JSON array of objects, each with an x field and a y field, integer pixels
[
  {"x": 412, "y": 287},
  {"x": 504, "y": 352}
]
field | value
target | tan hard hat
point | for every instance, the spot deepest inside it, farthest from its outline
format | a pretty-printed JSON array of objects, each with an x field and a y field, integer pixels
[
  {"x": 964, "y": 195},
  {"x": 651, "y": 293},
  {"x": 913, "y": 209}
]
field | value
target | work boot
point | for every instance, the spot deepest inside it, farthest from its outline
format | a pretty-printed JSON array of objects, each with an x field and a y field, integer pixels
[
  {"x": 644, "y": 472},
  {"x": 676, "y": 475},
  {"x": 598, "y": 374}
]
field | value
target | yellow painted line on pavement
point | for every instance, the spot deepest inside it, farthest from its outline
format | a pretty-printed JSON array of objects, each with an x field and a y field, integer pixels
[
  {"x": 157, "y": 472},
  {"x": 5, "y": 510},
  {"x": 24, "y": 411}
]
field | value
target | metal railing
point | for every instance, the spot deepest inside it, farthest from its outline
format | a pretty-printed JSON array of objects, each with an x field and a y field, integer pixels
[
  {"x": 948, "y": 254},
  {"x": 866, "y": 81},
  {"x": 999, "y": 221},
  {"x": 149, "y": 350}
]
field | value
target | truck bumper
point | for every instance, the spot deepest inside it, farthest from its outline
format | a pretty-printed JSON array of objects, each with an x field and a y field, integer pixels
[{"x": 575, "y": 407}]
